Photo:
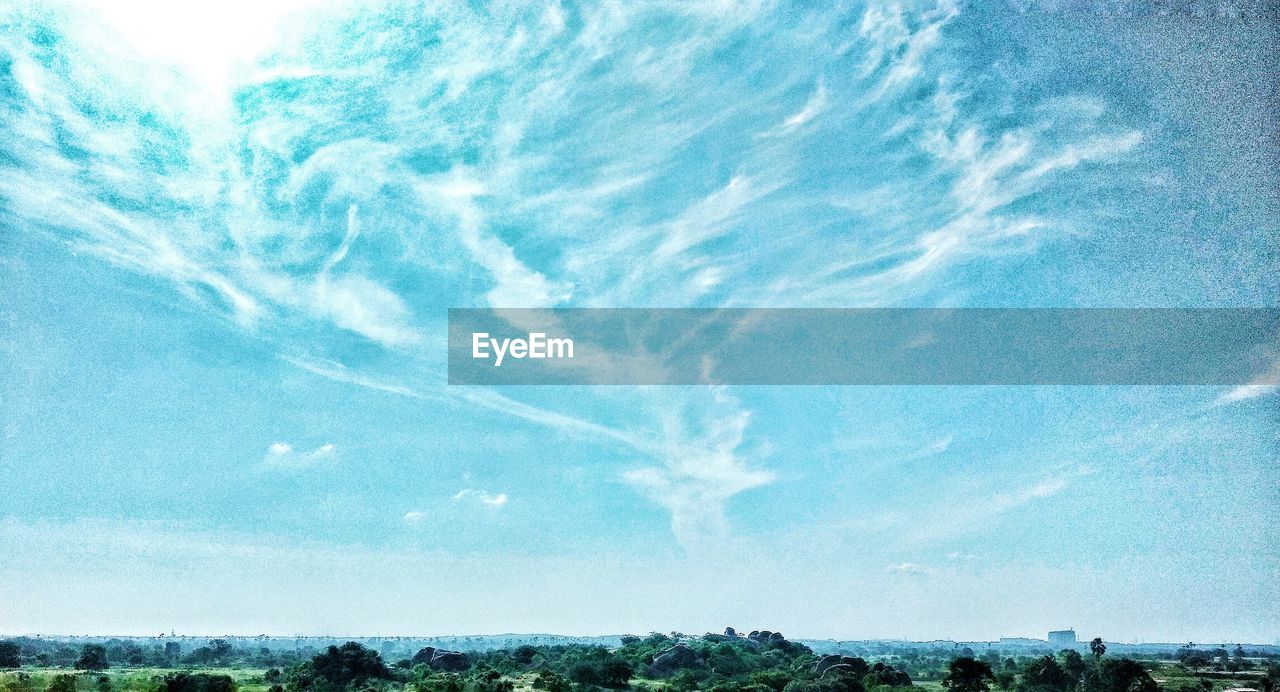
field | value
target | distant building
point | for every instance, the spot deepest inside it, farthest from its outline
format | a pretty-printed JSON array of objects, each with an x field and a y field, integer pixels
[
  {"x": 1021, "y": 641},
  {"x": 1062, "y": 639}
]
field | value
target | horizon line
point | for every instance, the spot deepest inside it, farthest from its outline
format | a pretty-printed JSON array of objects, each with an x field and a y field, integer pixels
[{"x": 903, "y": 640}]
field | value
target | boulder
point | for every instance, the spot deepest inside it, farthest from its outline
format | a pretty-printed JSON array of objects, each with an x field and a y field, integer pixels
[
  {"x": 852, "y": 664},
  {"x": 452, "y": 661},
  {"x": 826, "y": 662},
  {"x": 424, "y": 655},
  {"x": 730, "y": 632},
  {"x": 676, "y": 658},
  {"x": 839, "y": 669}
]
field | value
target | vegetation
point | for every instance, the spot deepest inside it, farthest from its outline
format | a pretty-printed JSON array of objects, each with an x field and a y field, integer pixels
[{"x": 759, "y": 662}]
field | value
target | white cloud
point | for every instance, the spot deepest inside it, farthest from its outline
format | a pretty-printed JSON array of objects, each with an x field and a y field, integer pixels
[
  {"x": 1246, "y": 391},
  {"x": 910, "y": 568},
  {"x": 968, "y": 510},
  {"x": 1264, "y": 385},
  {"x": 363, "y": 306},
  {"x": 515, "y": 284},
  {"x": 481, "y": 496},
  {"x": 938, "y": 446},
  {"x": 340, "y": 373},
  {"x": 282, "y": 455},
  {"x": 702, "y": 468},
  {"x": 812, "y": 108}
]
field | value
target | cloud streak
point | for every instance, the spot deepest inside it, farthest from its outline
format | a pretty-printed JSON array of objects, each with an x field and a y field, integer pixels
[
  {"x": 283, "y": 456},
  {"x": 481, "y": 497}
]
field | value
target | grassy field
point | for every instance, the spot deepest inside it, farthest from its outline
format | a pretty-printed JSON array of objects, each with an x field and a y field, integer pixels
[
  {"x": 1170, "y": 676},
  {"x": 122, "y": 679}
]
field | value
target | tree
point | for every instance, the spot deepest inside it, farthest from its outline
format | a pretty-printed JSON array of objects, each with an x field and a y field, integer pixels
[
  {"x": 964, "y": 674},
  {"x": 490, "y": 681},
  {"x": 198, "y": 682},
  {"x": 221, "y": 650},
  {"x": 349, "y": 663},
  {"x": 551, "y": 682},
  {"x": 608, "y": 671},
  {"x": 1045, "y": 674},
  {"x": 1119, "y": 675},
  {"x": 524, "y": 654},
  {"x": 1073, "y": 663},
  {"x": 93, "y": 657},
  {"x": 10, "y": 654},
  {"x": 1097, "y": 647}
]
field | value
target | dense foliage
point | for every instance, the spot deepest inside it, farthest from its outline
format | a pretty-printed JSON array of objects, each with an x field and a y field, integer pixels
[{"x": 758, "y": 662}]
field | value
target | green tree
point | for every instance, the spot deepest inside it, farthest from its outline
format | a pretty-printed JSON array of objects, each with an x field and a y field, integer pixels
[
  {"x": 1097, "y": 647},
  {"x": 93, "y": 657},
  {"x": 349, "y": 663},
  {"x": 10, "y": 654},
  {"x": 1073, "y": 663},
  {"x": 198, "y": 682},
  {"x": 1045, "y": 674},
  {"x": 1118, "y": 675},
  {"x": 965, "y": 674},
  {"x": 490, "y": 681},
  {"x": 221, "y": 651},
  {"x": 524, "y": 654},
  {"x": 551, "y": 682}
]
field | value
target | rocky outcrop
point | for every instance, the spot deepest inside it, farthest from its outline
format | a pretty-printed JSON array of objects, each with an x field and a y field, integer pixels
[
  {"x": 838, "y": 669},
  {"x": 765, "y": 636},
  {"x": 849, "y": 664},
  {"x": 826, "y": 662},
  {"x": 676, "y": 658},
  {"x": 424, "y": 655},
  {"x": 452, "y": 661}
]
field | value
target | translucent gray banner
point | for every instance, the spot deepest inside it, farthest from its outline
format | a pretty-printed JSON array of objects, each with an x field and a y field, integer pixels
[{"x": 864, "y": 346}]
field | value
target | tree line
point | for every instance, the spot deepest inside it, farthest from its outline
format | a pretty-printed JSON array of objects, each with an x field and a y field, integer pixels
[{"x": 759, "y": 662}]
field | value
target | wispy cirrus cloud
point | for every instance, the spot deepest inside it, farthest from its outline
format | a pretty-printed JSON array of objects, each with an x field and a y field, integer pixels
[
  {"x": 702, "y": 465},
  {"x": 327, "y": 204}
]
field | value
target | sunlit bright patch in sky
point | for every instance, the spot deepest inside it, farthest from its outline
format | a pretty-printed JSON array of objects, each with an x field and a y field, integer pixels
[{"x": 210, "y": 41}]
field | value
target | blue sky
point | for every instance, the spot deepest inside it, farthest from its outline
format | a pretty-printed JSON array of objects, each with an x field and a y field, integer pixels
[{"x": 230, "y": 238}]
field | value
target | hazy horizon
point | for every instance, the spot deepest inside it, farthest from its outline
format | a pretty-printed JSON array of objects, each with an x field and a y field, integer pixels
[{"x": 1081, "y": 643}]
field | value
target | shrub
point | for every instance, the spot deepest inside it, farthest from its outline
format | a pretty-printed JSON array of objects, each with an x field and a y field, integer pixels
[
  {"x": 198, "y": 682},
  {"x": 65, "y": 682}
]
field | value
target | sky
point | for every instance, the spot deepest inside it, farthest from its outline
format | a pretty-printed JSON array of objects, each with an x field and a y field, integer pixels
[{"x": 229, "y": 238}]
